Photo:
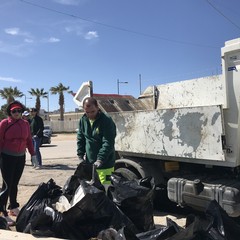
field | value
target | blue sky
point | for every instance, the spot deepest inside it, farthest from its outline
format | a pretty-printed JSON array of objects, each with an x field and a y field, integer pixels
[{"x": 47, "y": 42}]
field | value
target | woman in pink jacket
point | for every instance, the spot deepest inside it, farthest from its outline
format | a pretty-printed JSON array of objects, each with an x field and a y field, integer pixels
[{"x": 15, "y": 137}]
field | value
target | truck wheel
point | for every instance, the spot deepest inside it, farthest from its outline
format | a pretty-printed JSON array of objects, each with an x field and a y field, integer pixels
[{"x": 127, "y": 173}]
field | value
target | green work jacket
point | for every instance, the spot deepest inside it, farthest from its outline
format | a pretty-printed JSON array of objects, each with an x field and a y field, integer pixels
[{"x": 96, "y": 142}]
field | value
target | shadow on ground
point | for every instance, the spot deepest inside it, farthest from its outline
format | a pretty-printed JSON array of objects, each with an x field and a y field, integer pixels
[
  {"x": 55, "y": 166},
  {"x": 47, "y": 146}
]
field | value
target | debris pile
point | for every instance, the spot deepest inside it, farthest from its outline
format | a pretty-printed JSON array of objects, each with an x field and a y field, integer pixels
[{"x": 82, "y": 210}]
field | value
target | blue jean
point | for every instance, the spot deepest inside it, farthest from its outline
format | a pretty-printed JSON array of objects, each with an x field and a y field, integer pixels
[{"x": 36, "y": 144}]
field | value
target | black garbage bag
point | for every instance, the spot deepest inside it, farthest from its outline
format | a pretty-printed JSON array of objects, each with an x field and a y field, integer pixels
[
  {"x": 171, "y": 223},
  {"x": 83, "y": 172},
  {"x": 157, "y": 234},
  {"x": 199, "y": 227},
  {"x": 92, "y": 214},
  {"x": 163, "y": 232},
  {"x": 196, "y": 230},
  {"x": 43, "y": 225},
  {"x": 135, "y": 199},
  {"x": 222, "y": 224},
  {"x": 3, "y": 223},
  {"x": 125, "y": 234},
  {"x": 215, "y": 224},
  {"x": 45, "y": 195},
  {"x": 110, "y": 234}
]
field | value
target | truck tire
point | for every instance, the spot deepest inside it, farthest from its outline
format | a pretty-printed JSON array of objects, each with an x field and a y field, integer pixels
[{"x": 127, "y": 173}]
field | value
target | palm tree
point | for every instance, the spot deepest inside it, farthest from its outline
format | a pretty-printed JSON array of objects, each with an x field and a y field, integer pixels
[
  {"x": 3, "y": 111},
  {"x": 10, "y": 94},
  {"x": 38, "y": 93},
  {"x": 59, "y": 90}
]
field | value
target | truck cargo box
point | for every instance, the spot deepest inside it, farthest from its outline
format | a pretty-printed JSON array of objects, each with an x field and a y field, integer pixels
[{"x": 198, "y": 193}]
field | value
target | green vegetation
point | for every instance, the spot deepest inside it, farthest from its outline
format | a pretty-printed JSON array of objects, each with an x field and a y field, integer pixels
[{"x": 9, "y": 94}]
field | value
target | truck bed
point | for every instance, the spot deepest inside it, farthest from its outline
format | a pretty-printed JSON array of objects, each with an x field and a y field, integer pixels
[{"x": 181, "y": 134}]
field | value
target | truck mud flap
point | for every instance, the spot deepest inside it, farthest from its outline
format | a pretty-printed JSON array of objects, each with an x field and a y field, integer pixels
[{"x": 198, "y": 194}]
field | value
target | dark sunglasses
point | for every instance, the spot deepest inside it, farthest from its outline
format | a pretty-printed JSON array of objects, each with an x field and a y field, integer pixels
[
  {"x": 33, "y": 111},
  {"x": 16, "y": 111}
]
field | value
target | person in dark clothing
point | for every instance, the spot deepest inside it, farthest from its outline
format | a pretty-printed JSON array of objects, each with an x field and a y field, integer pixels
[
  {"x": 26, "y": 116},
  {"x": 96, "y": 139},
  {"x": 36, "y": 127},
  {"x": 15, "y": 137}
]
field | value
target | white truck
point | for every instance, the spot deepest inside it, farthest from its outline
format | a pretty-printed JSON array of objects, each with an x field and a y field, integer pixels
[{"x": 185, "y": 134}]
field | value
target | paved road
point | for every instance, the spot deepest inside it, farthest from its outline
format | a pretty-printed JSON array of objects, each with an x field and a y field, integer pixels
[{"x": 59, "y": 163}]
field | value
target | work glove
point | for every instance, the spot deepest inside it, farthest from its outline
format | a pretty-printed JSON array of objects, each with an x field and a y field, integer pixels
[
  {"x": 81, "y": 160},
  {"x": 34, "y": 161},
  {"x": 98, "y": 163}
]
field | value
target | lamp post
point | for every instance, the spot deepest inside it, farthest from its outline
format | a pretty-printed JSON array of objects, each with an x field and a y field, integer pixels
[
  {"x": 140, "y": 83},
  {"x": 25, "y": 99},
  {"x": 118, "y": 82},
  {"x": 48, "y": 102},
  {"x": 48, "y": 105}
]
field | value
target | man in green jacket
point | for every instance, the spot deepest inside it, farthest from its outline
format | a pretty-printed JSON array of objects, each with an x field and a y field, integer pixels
[{"x": 96, "y": 139}]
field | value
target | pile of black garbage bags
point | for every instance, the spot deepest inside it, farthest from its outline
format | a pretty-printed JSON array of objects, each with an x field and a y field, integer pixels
[{"x": 82, "y": 210}]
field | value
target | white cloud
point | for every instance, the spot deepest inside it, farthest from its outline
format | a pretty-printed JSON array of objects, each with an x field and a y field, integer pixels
[
  {"x": 28, "y": 40},
  {"x": 68, "y": 2},
  {"x": 50, "y": 40},
  {"x": 9, "y": 79},
  {"x": 53, "y": 40},
  {"x": 91, "y": 35},
  {"x": 12, "y": 31},
  {"x": 16, "y": 32},
  {"x": 75, "y": 29}
]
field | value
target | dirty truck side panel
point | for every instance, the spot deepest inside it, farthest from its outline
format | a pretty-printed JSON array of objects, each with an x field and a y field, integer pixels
[{"x": 185, "y": 134}]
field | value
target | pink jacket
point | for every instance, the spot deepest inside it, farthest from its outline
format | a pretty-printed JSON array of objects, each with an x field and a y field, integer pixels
[{"x": 15, "y": 139}]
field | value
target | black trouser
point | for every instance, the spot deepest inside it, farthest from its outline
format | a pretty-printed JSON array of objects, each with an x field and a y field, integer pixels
[{"x": 11, "y": 169}]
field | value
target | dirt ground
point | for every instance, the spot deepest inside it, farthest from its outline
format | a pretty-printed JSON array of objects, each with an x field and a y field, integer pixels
[
  {"x": 59, "y": 163},
  {"x": 65, "y": 136}
]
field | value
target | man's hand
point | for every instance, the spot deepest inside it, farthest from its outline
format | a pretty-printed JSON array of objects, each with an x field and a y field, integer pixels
[{"x": 98, "y": 163}]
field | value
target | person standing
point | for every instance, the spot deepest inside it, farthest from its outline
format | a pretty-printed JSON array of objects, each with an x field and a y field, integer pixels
[
  {"x": 96, "y": 139},
  {"x": 15, "y": 137},
  {"x": 26, "y": 116},
  {"x": 36, "y": 127}
]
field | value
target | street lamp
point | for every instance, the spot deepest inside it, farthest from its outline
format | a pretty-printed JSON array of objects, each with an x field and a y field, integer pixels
[
  {"x": 140, "y": 83},
  {"x": 118, "y": 85},
  {"x": 48, "y": 102},
  {"x": 48, "y": 106},
  {"x": 25, "y": 99}
]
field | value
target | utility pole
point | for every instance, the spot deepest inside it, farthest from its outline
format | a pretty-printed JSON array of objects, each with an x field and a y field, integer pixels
[
  {"x": 140, "y": 84},
  {"x": 25, "y": 99},
  {"x": 48, "y": 102},
  {"x": 48, "y": 105},
  {"x": 118, "y": 85}
]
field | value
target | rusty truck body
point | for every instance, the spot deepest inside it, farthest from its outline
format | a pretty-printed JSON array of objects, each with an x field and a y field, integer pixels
[{"x": 185, "y": 134}]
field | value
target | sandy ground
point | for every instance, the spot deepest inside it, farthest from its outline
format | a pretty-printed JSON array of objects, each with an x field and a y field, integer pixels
[{"x": 59, "y": 163}]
